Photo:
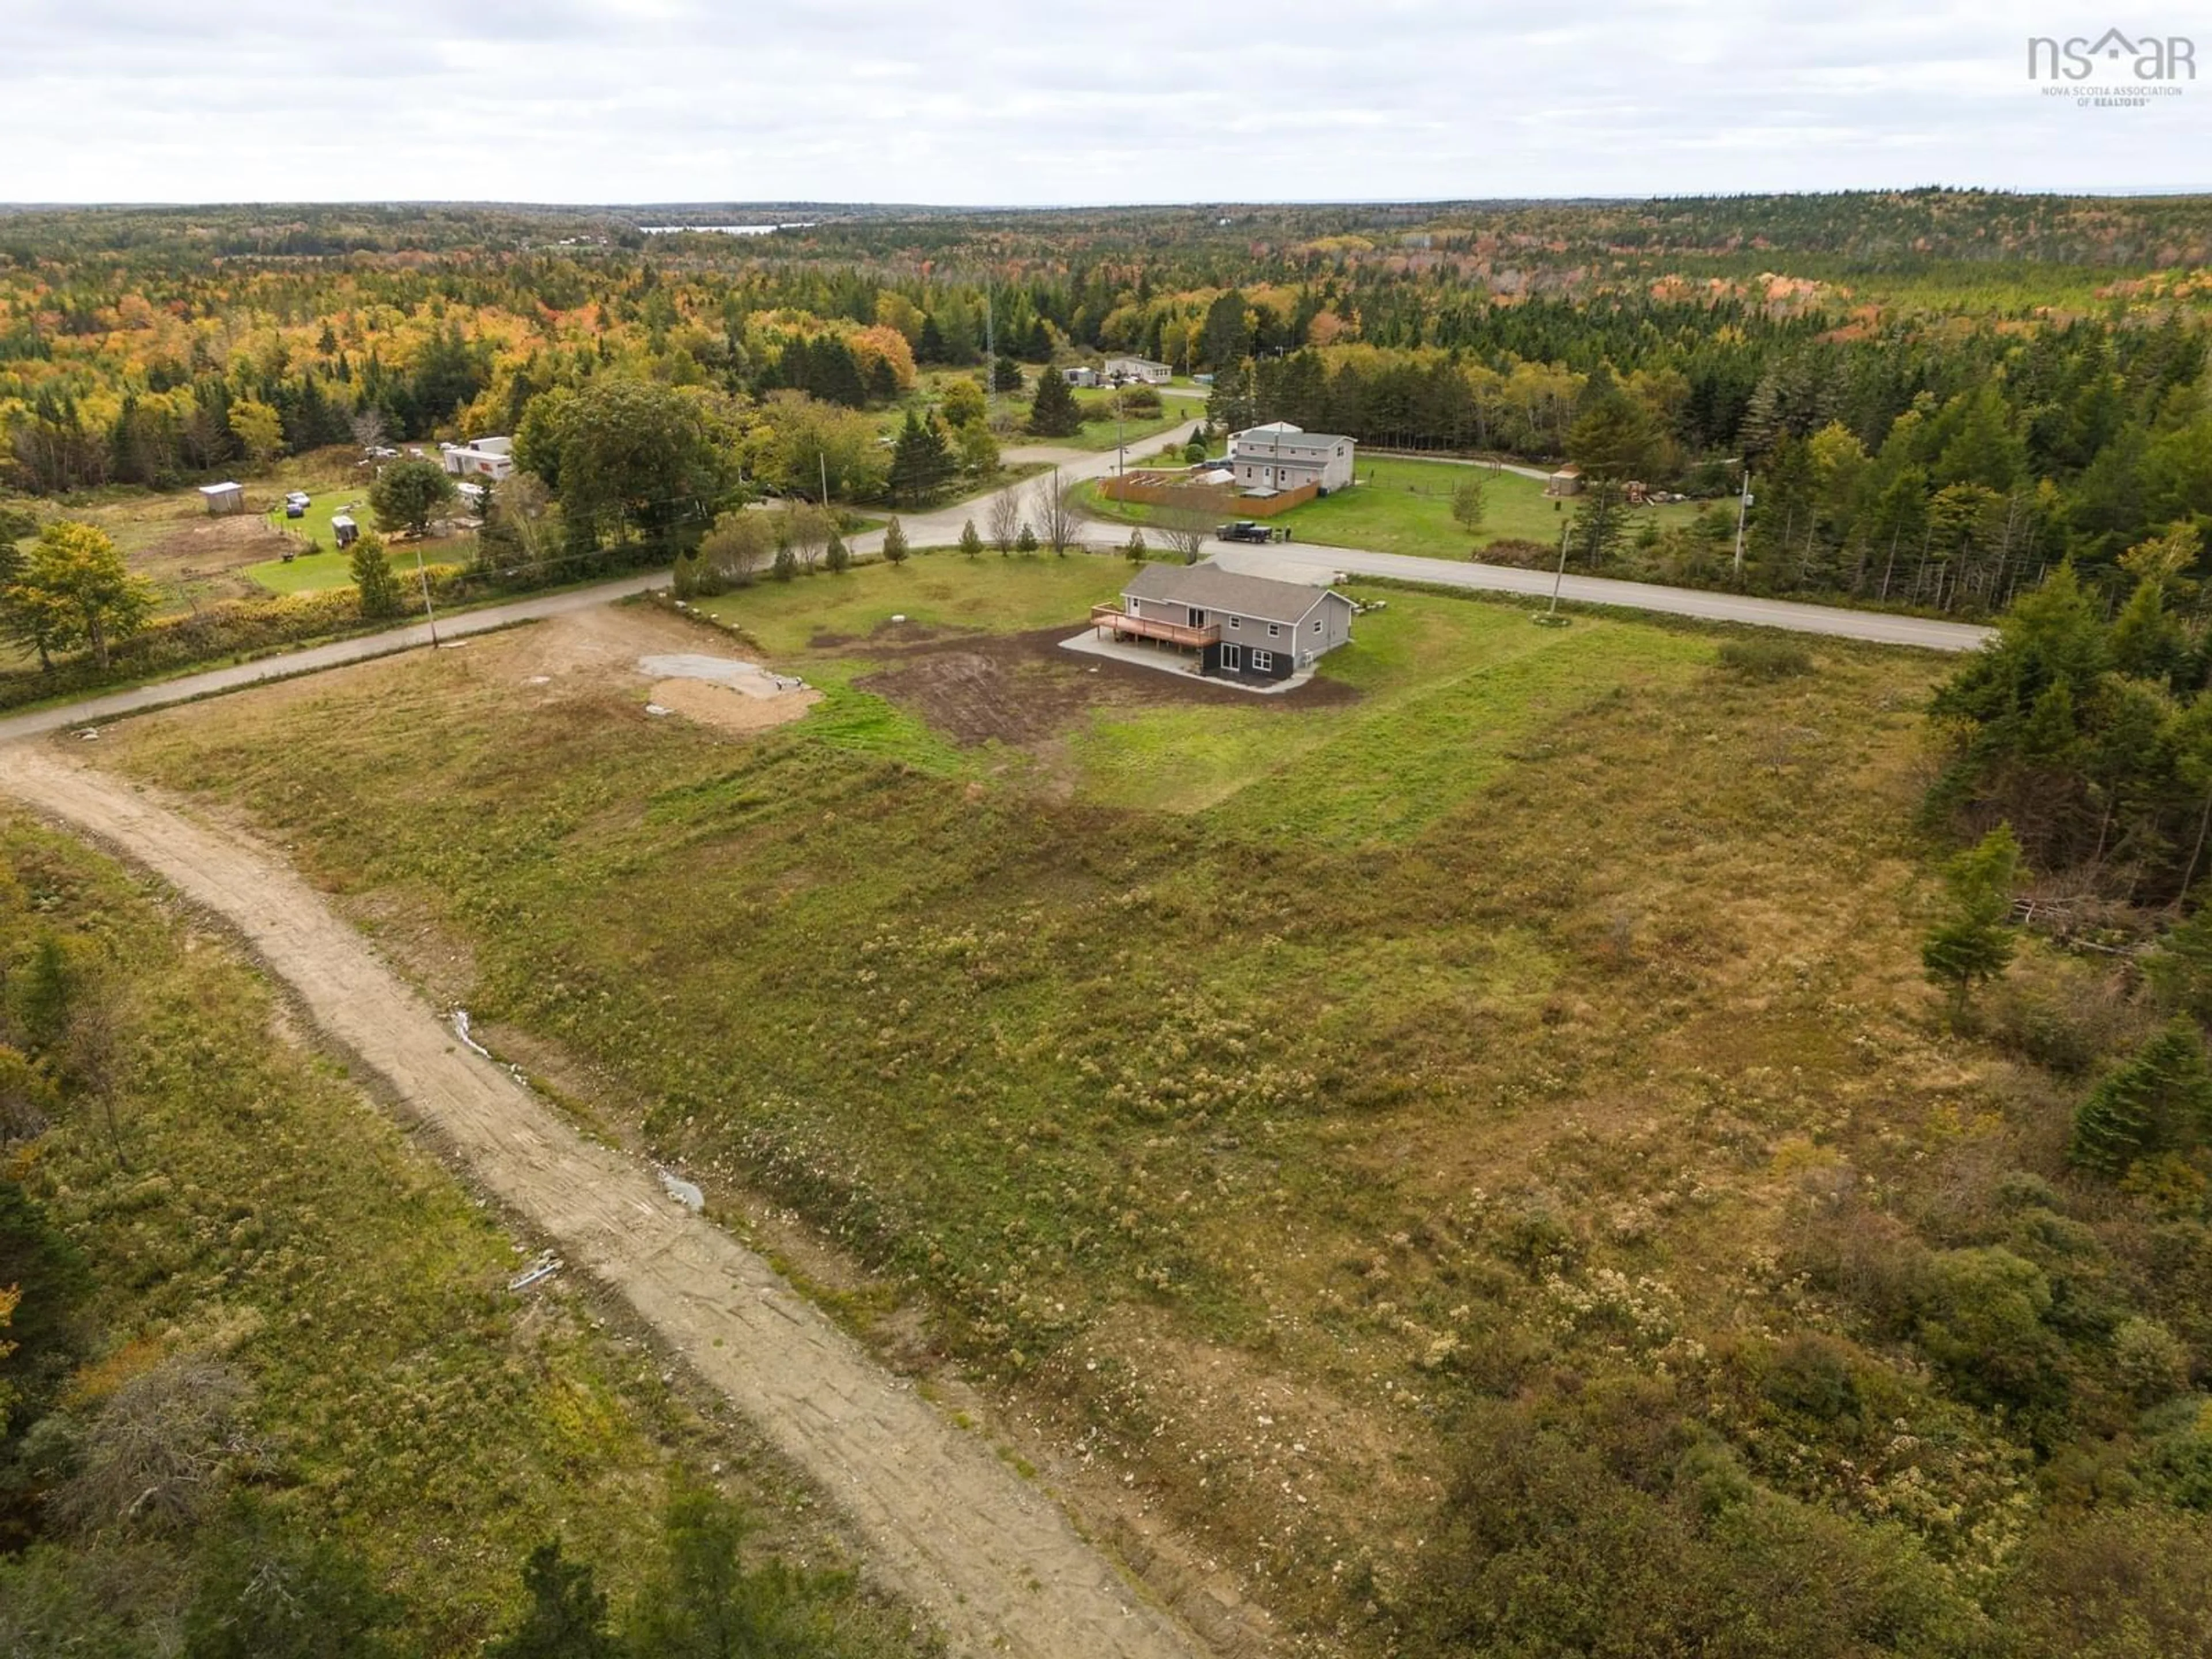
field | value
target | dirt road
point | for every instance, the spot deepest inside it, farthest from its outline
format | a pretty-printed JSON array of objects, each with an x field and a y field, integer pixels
[{"x": 993, "y": 1559}]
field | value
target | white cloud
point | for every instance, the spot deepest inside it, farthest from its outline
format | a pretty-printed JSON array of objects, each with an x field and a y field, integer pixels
[{"x": 609, "y": 100}]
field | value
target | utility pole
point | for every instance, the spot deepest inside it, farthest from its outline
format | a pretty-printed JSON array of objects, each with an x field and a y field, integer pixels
[
  {"x": 1742, "y": 509},
  {"x": 990, "y": 357},
  {"x": 1560, "y": 578},
  {"x": 423, "y": 576},
  {"x": 823, "y": 456}
]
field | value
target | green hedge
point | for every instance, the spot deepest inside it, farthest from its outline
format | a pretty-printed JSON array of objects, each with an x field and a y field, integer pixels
[{"x": 216, "y": 632}]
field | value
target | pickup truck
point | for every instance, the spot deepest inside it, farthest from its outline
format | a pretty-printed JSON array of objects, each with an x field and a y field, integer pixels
[{"x": 1244, "y": 531}]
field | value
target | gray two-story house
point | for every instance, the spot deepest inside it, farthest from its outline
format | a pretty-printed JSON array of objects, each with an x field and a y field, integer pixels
[
  {"x": 1240, "y": 626},
  {"x": 1280, "y": 456}
]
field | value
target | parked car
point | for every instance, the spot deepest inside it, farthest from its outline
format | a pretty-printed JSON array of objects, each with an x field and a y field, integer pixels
[{"x": 1244, "y": 531}]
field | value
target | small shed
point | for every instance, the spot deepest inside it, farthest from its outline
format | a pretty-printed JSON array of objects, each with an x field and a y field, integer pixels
[
  {"x": 1567, "y": 481},
  {"x": 1081, "y": 375},
  {"x": 344, "y": 530},
  {"x": 225, "y": 497}
]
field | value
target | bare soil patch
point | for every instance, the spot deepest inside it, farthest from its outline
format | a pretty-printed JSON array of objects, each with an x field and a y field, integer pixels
[
  {"x": 208, "y": 558},
  {"x": 728, "y": 710},
  {"x": 1022, "y": 690}
]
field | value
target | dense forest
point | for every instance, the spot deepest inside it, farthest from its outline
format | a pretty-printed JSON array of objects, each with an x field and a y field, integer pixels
[{"x": 1937, "y": 395}]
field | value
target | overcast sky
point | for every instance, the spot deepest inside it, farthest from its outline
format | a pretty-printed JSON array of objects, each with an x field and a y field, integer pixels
[{"x": 908, "y": 101}]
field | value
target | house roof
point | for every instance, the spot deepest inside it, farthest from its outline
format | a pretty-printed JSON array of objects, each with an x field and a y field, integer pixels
[
  {"x": 1210, "y": 588},
  {"x": 1279, "y": 435},
  {"x": 220, "y": 488}
]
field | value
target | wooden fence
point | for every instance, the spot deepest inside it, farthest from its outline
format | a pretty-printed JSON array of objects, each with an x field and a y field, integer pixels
[{"x": 1220, "y": 501}]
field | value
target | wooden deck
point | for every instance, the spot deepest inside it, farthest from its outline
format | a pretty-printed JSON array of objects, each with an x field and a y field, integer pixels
[{"x": 1123, "y": 626}]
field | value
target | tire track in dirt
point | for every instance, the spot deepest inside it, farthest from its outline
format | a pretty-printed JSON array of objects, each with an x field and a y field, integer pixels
[{"x": 994, "y": 1561}]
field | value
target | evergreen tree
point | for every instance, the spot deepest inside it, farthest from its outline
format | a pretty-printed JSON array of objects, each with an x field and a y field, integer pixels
[
  {"x": 1225, "y": 339},
  {"x": 1973, "y": 941},
  {"x": 1234, "y": 403},
  {"x": 1053, "y": 412},
  {"x": 273, "y": 1592},
  {"x": 1026, "y": 541},
  {"x": 2180, "y": 969},
  {"x": 971, "y": 543},
  {"x": 839, "y": 557},
  {"x": 894, "y": 548},
  {"x": 1134, "y": 550},
  {"x": 372, "y": 579},
  {"x": 922, "y": 462},
  {"x": 2160, "y": 1100},
  {"x": 704, "y": 1603},
  {"x": 1006, "y": 375},
  {"x": 567, "y": 1614}
]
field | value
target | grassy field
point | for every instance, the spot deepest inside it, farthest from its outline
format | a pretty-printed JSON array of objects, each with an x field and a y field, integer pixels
[
  {"x": 247, "y": 1204},
  {"x": 1274, "y": 1097},
  {"x": 941, "y": 590},
  {"x": 314, "y": 528},
  {"x": 1405, "y": 506},
  {"x": 1098, "y": 433}
]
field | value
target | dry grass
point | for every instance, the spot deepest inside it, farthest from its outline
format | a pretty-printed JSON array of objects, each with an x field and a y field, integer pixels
[{"x": 1486, "y": 1028}]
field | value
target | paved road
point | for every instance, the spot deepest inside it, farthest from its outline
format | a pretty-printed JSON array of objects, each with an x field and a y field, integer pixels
[
  {"x": 1306, "y": 562},
  {"x": 108, "y": 705},
  {"x": 1300, "y": 561},
  {"x": 941, "y": 527}
]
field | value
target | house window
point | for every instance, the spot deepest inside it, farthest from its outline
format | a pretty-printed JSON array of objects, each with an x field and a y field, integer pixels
[
  {"x": 1263, "y": 662},
  {"x": 1235, "y": 623},
  {"x": 1197, "y": 616},
  {"x": 1274, "y": 630},
  {"x": 1316, "y": 624},
  {"x": 1232, "y": 658}
]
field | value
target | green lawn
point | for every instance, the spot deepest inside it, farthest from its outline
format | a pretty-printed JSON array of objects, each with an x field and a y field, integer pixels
[
  {"x": 1098, "y": 431},
  {"x": 940, "y": 590},
  {"x": 315, "y": 528},
  {"x": 1405, "y": 506},
  {"x": 319, "y": 564}
]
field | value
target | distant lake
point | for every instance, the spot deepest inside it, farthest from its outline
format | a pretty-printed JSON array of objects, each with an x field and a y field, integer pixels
[{"x": 725, "y": 230}]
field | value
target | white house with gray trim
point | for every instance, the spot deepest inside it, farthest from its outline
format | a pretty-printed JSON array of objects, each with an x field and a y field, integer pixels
[
  {"x": 1243, "y": 628},
  {"x": 1280, "y": 456},
  {"x": 1131, "y": 370}
]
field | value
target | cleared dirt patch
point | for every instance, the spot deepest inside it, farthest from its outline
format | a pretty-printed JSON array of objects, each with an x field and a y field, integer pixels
[
  {"x": 208, "y": 558},
  {"x": 1022, "y": 688},
  {"x": 730, "y": 710}
]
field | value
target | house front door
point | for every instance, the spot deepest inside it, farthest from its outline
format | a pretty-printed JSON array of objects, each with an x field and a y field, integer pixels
[{"x": 1233, "y": 659}]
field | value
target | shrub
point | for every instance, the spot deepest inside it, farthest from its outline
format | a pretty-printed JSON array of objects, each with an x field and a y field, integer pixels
[
  {"x": 1765, "y": 659},
  {"x": 2151, "y": 1364},
  {"x": 1521, "y": 554},
  {"x": 1982, "y": 1322}
]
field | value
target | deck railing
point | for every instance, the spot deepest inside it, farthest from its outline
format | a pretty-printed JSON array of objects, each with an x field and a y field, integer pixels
[{"x": 1125, "y": 626}]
